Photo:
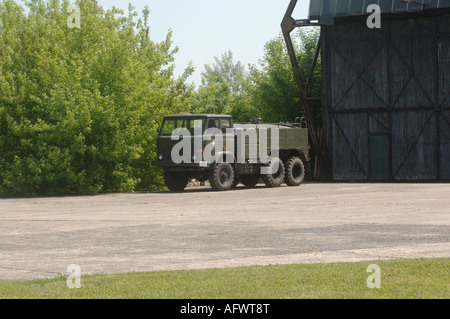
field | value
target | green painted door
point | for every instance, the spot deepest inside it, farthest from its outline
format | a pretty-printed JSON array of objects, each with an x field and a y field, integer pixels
[{"x": 379, "y": 156}]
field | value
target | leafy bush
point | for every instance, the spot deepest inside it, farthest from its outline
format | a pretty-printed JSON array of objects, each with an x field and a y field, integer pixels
[{"x": 79, "y": 108}]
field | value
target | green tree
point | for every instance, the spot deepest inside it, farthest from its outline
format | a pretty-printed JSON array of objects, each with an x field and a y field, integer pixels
[
  {"x": 225, "y": 71},
  {"x": 272, "y": 89},
  {"x": 79, "y": 108},
  {"x": 223, "y": 89}
]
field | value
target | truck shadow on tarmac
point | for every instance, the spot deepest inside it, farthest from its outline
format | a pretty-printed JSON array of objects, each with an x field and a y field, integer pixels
[{"x": 207, "y": 189}]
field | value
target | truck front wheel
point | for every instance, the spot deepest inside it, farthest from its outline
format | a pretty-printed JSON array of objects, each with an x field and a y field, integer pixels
[
  {"x": 295, "y": 172},
  {"x": 221, "y": 177},
  {"x": 276, "y": 178}
]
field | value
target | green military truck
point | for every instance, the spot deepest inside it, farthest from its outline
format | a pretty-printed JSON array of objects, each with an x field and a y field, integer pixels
[{"x": 211, "y": 147}]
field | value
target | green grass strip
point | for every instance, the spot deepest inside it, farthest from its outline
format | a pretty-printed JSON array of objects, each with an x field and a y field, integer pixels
[{"x": 400, "y": 279}]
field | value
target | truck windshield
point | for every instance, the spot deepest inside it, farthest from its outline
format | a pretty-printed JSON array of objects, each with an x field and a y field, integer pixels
[
  {"x": 171, "y": 125},
  {"x": 174, "y": 126}
]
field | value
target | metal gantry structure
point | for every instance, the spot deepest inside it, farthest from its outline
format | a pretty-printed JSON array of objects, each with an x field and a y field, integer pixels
[{"x": 288, "y": 25}]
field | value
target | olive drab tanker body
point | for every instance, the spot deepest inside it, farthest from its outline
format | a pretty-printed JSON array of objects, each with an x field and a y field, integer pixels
[{"x": 211, "y": 147}]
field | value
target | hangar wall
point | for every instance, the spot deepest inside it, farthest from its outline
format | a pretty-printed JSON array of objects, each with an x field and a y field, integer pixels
[{"x": 386, "y": 98}]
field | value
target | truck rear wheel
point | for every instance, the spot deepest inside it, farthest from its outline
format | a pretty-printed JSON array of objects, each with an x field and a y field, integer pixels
[
  {"x": 295, "y": 172},
  {"x": 250, "y": 181},
  {"x": 176, "y": 182},
  {"x": 277, "y": 177},
  {"x": 221, "y": 177}
]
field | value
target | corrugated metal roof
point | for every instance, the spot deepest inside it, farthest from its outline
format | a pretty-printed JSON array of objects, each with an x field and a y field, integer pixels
[{"x": 326, "y": 10}]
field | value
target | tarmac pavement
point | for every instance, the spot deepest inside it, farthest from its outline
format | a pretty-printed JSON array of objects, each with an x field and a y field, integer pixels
[{"x": 200, "y": 228}]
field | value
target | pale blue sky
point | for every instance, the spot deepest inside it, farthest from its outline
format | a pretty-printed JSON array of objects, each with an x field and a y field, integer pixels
[{"x": 204, "y": 29}]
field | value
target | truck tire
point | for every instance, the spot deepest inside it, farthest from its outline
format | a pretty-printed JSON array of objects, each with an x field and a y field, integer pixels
[
  {"x": 295, "y": 171},
  {"x": 175, "y": 182},
  {"x": 276, "y": 179},
  {"x": 250, "y": 181},
  {"x": 221, "y": 177}
]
